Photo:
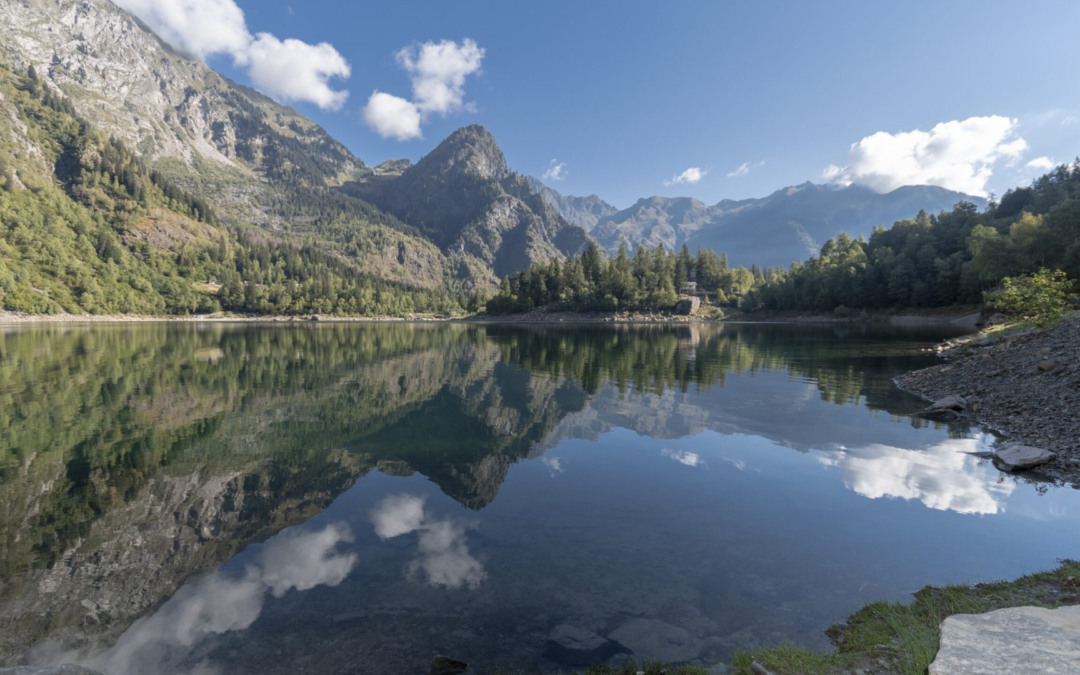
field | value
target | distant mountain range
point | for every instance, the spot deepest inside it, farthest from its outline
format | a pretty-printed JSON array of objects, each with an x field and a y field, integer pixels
[{"x": 790, "y": 224}]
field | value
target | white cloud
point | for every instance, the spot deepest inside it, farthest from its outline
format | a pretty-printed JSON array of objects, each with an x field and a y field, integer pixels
[
  {"x": 219, "y": 602},
  {"x": 438, "y": 71},
  {"x": 289, "y": 70},
  {"x": 1069, "y": 120},
  {"x": 1042, "y": 163},
  {"x": 691, "y": 175},
  {"x": 745, "y": 168},
  {"x": 554, "y": 465},
  {"x": 555, "y": 171},
  {"x": 943, "y": 477},
  {"x": 392, "y": 117},
  {"x": 444, "y": 555},
  {"x": 296, "y": 71},
  {"x": 683, "y": 457},
  {"x": 398, "y": 515},
  {"x": 957, "y": 155}
]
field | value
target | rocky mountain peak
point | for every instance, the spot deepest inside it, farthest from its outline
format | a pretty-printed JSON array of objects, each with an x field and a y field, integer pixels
[{"x": 471, "y": 150}]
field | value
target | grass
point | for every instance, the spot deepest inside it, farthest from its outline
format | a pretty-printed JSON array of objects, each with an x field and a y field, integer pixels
[{"x": 902, "y": 638}]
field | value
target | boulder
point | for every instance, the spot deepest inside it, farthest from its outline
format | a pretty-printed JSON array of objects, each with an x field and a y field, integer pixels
[
  {"x": 952, "y": 402},
  {"x": 1016, "y": 457},
  {"x": 574, "y": 646},
  {"x": 444, "y": 665},
  {"x": 688, "y": 306},
  {"x": 1047, "y": 365},
  {"x": 653, "y": 640},
  {"x": 1010, "y": 641}
]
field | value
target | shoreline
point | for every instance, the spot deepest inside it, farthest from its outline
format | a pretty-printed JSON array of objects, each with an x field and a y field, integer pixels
[
  {"x": 955, "y": 316},
  {"x": 1021, "y": 383}
]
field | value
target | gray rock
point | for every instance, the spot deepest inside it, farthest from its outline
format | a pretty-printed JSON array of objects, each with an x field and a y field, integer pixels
[
  {"x": 444, "y": 665},
  {"x": 1016, "y": 457},
  {"x": 952, "y": 402},
  {"x": 688, "y": 306},
  {"x": 651, "y": 639},
  {"x": 574, "y": 646},
  {"x": 1047, "y": 365},
  {"x": 937, "y": 415},
  {"x": 1010, "y": 641},
  {"x": 66, "y": 669}
]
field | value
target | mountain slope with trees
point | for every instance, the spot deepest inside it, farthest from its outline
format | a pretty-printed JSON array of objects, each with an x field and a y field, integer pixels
[{"x": 950, "y": 258}]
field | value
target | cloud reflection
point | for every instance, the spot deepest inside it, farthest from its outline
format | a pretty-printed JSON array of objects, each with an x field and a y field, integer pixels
[
  {"x": 684, "y": 457},
  {"x": 554, "y": 465},
  {"x": 444, "y": 556},
  {"x": 219, "y": 603},
  {"x": 942, "y": 477}
]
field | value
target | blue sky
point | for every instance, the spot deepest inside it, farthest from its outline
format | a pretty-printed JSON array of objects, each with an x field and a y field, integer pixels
[{"x": 630, "y": 95}]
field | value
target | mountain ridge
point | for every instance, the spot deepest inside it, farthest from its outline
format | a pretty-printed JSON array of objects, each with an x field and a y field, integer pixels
[{"x": 789, "y": 224}]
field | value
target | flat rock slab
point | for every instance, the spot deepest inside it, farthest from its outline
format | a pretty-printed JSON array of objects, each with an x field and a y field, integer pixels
[
  {"x": 651, "y": 640},
  {"x": 1016, "y": 457},
  {"x": 575, "y": 646},
  {"x": 1010, "y": 641}
]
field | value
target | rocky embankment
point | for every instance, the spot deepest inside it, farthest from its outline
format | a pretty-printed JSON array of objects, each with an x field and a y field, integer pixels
[{"x": 1022, "y": 383}]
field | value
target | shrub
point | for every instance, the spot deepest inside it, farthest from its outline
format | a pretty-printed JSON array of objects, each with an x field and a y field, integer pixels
[{"x": 1040, "y": 298}]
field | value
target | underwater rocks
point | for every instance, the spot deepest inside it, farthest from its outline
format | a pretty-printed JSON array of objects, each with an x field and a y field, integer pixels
[{"x": 574, "y": 646}]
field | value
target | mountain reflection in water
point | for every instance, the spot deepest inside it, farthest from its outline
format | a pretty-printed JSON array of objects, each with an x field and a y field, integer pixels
[{"x": 699, "y": 488}]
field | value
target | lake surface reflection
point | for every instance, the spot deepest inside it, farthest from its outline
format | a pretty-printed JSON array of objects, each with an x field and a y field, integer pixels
[{"x": 358, "y": 498}]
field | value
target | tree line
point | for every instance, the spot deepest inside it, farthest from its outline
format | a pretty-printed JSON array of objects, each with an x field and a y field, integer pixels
[{"x": 950, "y": 258}]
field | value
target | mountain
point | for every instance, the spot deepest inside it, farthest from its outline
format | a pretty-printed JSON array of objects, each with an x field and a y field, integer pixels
[
  {"x": 463, "y": 197},
  {"x": 790, "y": 224},
  {"x": 584, "y": 212}
]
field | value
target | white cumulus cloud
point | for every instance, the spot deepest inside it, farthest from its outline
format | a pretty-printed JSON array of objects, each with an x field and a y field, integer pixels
[
  {"x": 684, "y": 457},
  {"x": 289, "y": 70},
  {"x": 555, "y": 171},
  {"x": 438, "y": 71},
  {"x": 691, "y": 175},
  {"x": 444, "y": 558},
  {"x": 392, "y": 116},
  {"x": 957, "y": 155},
  {"x": 1042, "y": 163}
]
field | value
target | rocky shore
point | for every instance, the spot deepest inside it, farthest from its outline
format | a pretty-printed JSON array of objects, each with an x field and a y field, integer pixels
[{"x": 1024, "y": 383}]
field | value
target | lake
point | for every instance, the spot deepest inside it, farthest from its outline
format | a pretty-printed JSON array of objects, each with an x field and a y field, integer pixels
[{"x": 340, "y": 498}]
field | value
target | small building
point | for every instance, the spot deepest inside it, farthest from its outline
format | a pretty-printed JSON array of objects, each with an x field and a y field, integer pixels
[{"x": 689, "y": 287}]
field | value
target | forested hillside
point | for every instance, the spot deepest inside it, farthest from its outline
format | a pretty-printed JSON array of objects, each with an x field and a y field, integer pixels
[
  {"x": 929, "y": 261},
  {"x": 85, "y": 226}
]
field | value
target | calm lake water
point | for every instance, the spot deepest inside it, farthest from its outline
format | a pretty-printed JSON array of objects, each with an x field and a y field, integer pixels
[{"x": 358, "y": 498}]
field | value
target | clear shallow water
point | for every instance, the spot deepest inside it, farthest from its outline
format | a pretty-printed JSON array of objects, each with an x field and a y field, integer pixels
[{"x": 343, "y": 498}]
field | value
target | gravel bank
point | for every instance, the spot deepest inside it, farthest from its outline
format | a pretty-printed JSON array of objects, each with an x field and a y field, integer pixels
[{"x": 1025, "y": 385}]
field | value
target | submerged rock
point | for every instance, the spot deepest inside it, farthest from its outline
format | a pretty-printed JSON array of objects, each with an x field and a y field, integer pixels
[
  {"x": 574, "y": 646},
  {"x": 1016, "y": 457},
  {"x": 1010, "y": 641},
  {"x": 651, "y": 639},
  {"x": 953, "y": 402},
  {"x": 444, "y": 665}
]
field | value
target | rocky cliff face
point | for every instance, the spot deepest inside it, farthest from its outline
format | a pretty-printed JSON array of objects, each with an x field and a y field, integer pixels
[
  {"x": 584, "y": 212},
  {"x": 124, "y": 80},
  {"x": 463, "y": 196}
]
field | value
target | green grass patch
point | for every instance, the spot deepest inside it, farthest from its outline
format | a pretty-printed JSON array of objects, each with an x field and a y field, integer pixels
[{"x": 902, "y": 638}]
